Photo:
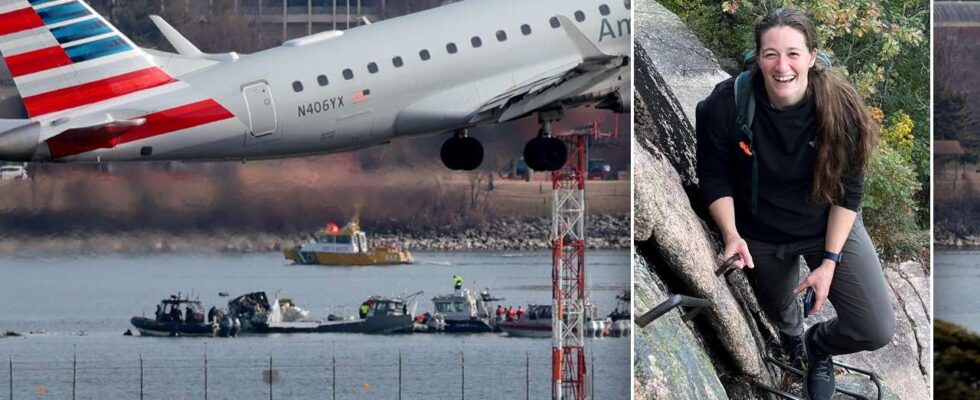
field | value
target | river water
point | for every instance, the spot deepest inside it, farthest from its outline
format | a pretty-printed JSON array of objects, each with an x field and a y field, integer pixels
[
  {"x": 957, "y": 277},
  {"x": 78, "y": 308}
]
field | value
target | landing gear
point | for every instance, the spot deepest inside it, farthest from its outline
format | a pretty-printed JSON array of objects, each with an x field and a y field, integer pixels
[
  {"x": 545, "y": 153},
  {"x": 462, "y": 152}
]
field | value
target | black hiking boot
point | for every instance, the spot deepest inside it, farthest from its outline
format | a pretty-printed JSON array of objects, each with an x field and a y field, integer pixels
[
  {"x": 793, "y": 348},
  {"x": 818, "y": 382}
]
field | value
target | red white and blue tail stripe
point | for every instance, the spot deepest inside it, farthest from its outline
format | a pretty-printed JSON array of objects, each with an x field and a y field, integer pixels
[{"x": 63, "y": 55}]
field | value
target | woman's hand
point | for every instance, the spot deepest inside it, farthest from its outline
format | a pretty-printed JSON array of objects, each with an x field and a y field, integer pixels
[
  {"x": 819, "y": 279},
  {"x": 738, "y": 246}
]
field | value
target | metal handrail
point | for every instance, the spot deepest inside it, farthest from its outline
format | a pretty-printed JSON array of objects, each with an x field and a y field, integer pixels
[{"x": 677, "y": 300}]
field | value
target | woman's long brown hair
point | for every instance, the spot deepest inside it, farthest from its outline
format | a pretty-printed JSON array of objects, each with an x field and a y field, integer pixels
[{"x": 846, "y": 134}]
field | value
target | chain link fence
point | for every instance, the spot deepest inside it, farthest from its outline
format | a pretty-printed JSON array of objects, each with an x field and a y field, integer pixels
[{"x": 440, "y": 375}]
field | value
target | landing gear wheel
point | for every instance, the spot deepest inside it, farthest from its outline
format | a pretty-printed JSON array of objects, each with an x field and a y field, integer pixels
[
  {"x": 462, "y": 153},
  {"x": 472, "y": 154},
  {"x": 545, "y": 154},
  {"x": 450, "y": 153}
]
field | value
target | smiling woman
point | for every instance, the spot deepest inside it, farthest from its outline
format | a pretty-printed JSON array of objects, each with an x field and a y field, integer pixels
[
  {"x": 785, "y": 63},
  {"x": 784, "y": 179}
]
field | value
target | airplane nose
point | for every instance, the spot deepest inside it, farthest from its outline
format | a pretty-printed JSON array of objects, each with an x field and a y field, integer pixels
[{"x": 20, "y": 143}]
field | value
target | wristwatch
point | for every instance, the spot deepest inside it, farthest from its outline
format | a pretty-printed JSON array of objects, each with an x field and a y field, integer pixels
[{"x": 829, "y": 255}]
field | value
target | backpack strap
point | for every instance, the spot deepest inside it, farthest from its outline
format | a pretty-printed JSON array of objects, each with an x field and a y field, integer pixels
[{"x": 744, "y": 113}]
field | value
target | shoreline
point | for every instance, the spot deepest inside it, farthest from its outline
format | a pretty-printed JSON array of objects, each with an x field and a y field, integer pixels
[
  {"x": 945, "y": 239},
  {"x": 606, "y": 232}
]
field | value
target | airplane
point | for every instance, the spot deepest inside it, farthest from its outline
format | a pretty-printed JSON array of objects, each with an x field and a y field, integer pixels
[{"x": 92, "y": 95}]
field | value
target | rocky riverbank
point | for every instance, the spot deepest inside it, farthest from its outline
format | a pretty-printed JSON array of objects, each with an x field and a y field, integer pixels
[
  {"x": 526, "y": 233},
  {"x": 945, "y": 237}
]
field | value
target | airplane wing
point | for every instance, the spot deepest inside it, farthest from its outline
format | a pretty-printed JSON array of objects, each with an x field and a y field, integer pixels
[{"x": 587, "y": 77}]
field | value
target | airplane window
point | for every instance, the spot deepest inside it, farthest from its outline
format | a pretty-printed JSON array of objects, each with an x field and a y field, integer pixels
[
  {"x": 297, "y": 86},
  {"x": 554, "y": 22},
  {"x": 476, "y": 41},
  {"x": 579, "y": 16},
  {"x": 526, "y": 29},
  {"x": 348, "y": 74},
  {"x": 322, "y": 80},
  {"x": 373, "y": 68},
  {"x": 627, "y": 4},
  {"x": 604, "y": 10},
  {"x": 397, "y": 62},
  {"x": 424, "y": 55},
  {"x": 451, "y": 48},
  {"x": 501, "y": 36}
]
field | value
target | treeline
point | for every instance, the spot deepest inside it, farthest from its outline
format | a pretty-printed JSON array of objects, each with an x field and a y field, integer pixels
[{"x": 957, "y": 362}]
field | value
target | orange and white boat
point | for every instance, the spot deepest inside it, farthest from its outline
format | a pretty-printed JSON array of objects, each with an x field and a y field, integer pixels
[{"x": 334, "y": 245}]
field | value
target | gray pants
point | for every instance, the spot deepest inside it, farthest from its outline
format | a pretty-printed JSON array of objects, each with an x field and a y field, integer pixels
[{"x": 865, "y": 319}]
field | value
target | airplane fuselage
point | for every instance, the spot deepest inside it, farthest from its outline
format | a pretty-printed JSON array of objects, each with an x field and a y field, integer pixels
[{"x": 375, "y": 82}]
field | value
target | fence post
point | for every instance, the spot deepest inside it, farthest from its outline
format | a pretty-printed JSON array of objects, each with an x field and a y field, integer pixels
[
  {"x": 462, "y": 374},
  {"x": 205, "y": 371},
  {"x": 333, "y": 379},
  {"x": 399, "y": 375},
  {"x": 270, "y": 376},
  {"x": 141, "y": 376},
  {"x": 74, "y": 371},
  {"x": 11, "y": 378},
  {"x": 592, "y": 353},
  {"x": 527, "y": 375}
]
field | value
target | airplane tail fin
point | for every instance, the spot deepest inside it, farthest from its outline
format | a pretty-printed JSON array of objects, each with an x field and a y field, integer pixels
[{"x": 62, "y": 55}]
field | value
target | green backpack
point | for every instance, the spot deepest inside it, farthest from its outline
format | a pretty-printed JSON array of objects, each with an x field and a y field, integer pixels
[{"x": 745, "y": 111}]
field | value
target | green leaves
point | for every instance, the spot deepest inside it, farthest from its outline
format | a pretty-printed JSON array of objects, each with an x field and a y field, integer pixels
[{"x": 890, "y": 207}]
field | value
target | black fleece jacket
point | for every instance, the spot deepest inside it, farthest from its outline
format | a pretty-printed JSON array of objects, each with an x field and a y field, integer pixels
[{"x": 784, "y": 145}]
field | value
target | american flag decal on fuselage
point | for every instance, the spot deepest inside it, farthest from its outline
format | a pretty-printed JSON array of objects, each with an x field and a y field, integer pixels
[
  {"x": 362, "y": 96},
  {"x": 62, "y": 55}
]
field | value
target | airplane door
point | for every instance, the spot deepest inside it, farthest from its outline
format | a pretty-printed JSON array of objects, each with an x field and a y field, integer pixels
[{"x": 261, "y": 113}]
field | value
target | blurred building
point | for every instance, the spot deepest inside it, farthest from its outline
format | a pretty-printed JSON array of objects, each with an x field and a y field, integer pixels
[{"x": 288, "y": 19}]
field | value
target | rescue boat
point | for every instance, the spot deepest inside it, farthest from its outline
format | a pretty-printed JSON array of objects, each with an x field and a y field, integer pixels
[
  {"x": 462, "y": 312},
  {"x": 334, "y": 245},
  {"x": 169, "y": 320}
]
